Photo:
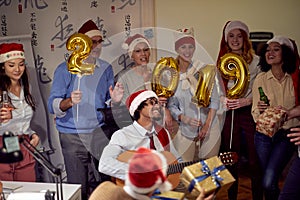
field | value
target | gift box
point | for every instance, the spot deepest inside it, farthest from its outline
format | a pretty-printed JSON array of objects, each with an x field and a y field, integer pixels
[
  {"x": 270, "y": 121},
  {"x": 209, "y": 174},
  {"x": 169, "y": 195}
]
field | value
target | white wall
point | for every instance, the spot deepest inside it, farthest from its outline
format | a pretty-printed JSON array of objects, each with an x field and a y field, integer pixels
[{"x": 209, "y": 17}]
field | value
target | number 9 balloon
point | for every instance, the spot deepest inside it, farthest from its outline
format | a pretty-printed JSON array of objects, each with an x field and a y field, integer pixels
[
  {"x": 165, "y": 64},
  {"x": 205, "y": 86},
  {"x": 234, "y": 67},
  {"x": 81, "y": 46}
]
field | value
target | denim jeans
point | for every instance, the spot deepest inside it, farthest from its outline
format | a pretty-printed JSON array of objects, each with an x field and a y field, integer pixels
[
  {"x": 291, "y": 188},
  {"x": 274, "y": 154}
]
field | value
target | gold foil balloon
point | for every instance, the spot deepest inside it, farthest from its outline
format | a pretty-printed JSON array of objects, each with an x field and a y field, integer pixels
[
  {"x": 166, "y": 64},
  {"x": 81, "y": 46},
  {"x": 205, "y": 86},
  {"x": 234, "y": 67}
]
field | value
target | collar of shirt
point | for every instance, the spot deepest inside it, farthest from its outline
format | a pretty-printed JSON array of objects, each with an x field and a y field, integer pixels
[
  {"x": 97, "y": 62},
  {"x": 270, "y": 75},
  {"x": 142, "y": 130},
  {"x": 13, "y": 97}
]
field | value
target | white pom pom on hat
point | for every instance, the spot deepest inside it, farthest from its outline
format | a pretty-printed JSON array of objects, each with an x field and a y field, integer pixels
[
  {"x": 235, "y": 25},
  {"x": 282, "y": 40}
]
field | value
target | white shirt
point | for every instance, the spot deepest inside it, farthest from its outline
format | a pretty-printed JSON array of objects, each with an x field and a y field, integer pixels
[
  {"x": 21, "y": 116},
  {"x": 127, "y": 138}
]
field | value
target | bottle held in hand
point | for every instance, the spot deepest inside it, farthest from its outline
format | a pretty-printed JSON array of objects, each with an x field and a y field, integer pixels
[
  {"x": 5, "y": 104},
  {"x": 263, "y": 97},
  {"x": 5, "y": 101}
]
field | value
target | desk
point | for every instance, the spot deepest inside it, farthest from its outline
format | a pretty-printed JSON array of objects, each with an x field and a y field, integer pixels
[{"x": 70, "y": 191}]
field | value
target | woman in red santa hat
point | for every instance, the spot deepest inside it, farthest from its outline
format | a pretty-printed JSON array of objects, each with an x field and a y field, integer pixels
[
  {"x": 235, "y": 39},
  {"x": 138, "y": 76},
  {"x": 14, "y": 81},
  {"x": 279, "y": 61},
  {"x": 198, "y": 135}
]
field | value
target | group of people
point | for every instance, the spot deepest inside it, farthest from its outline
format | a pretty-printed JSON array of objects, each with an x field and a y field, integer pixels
[{"x": 200, "y": 133}]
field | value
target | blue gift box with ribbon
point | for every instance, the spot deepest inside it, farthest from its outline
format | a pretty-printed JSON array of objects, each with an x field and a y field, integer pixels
[{"x": 209, "y": 174}]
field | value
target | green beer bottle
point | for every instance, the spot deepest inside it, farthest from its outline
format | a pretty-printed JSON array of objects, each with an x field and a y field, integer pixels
[{"x": 262, "y": 96}]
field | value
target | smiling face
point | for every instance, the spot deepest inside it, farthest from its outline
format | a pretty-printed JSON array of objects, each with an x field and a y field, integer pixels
[
  {"x": 14, "y": 68},
  {"x": 152, "y": 110},
  {"x": 274, "y": 54},
  {"x": 235, "y": 41},
  {"x": 186, "y": 52},
  {"x": 141, "y": 54}
]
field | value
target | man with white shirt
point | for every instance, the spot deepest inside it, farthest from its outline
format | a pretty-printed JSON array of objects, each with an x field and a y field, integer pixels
[{"x": 143, "y": 106}]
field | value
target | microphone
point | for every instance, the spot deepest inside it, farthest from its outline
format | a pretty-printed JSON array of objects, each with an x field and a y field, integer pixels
[{"x": 10, "y": 152}]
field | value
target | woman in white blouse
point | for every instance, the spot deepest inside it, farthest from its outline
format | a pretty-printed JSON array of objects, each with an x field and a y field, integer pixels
[{"x": 16, "y": 119}]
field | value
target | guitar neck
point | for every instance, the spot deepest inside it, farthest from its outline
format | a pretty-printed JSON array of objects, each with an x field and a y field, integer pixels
[{"x": 178, "y": 167}]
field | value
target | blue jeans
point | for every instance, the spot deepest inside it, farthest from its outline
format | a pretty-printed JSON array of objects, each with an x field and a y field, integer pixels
[
  {"x": 291, "y": 188},
  {"x": 274, "y": 154}
]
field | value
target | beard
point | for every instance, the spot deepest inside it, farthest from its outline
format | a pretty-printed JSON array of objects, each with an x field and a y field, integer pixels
[{"x": 156, "y": 116}]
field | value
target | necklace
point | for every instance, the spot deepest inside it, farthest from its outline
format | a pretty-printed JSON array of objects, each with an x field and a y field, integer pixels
[{"x": 279, "y": 76}]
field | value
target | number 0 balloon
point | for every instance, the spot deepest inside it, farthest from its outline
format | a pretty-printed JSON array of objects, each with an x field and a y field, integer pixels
[
  {"x": 81, "y": 46},
  {"x": 165, "y": 64},
  {"x": 234, "y": 67}
]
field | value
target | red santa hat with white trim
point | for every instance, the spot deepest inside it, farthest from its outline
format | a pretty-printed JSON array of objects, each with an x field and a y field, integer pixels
[
  {"x": 136, "y": 98},
  {"x": 147, "y": 172},
  {"x": 90, "y": 29},
  {"x": 132, "y": 41},
  {"x": 282, "y": 40},
  {"x": 9, "y": 51},
  {"x": 236, "y": 24}
]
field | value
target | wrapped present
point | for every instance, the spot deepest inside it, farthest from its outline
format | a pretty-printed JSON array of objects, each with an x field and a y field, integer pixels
[
  {"x": 168, "y": 195},
  {"x": 270, "y": 121},
  {"x": 209, "y": 174}
]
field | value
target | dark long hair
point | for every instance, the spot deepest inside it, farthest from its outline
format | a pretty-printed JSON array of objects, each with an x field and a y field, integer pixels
[
  {"x": 288, "y": 57},
  {"x": 136, "y": 114},
  {"x": 5, "y": 83}
]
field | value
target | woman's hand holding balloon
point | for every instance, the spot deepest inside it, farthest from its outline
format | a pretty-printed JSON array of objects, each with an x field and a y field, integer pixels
[
  {"x": 237, "y": 103},
  {"x": 190, "y": 121}
]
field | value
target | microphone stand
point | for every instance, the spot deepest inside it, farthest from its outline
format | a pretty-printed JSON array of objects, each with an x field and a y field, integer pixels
[{"x": 40, "y": 158}]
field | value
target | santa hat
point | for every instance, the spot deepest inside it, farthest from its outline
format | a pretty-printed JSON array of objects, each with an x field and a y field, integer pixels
[
  {"x": 184, "y": 36},
  {"x": 9, "y": 51},
  {"x": 282, "y": 40},
  {"x": 147, "y": 172},
  {"x": 90, "y": 29},
  {"x": 132, "y": 41},
  {"x": 235, "y": 25},
  {"x": 135, "y": 99}
]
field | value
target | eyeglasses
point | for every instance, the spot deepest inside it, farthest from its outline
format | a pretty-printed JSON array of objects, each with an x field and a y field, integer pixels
[
  {"x": 152, "y": 102},
  {"x": 97, "y": 41}
]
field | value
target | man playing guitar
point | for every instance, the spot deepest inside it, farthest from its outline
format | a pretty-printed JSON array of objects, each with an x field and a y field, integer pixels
[{"x": 143, "y": 132}]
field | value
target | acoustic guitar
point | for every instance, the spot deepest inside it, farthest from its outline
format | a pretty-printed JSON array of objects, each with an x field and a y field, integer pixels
[{"x": 175, "y": 168}]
